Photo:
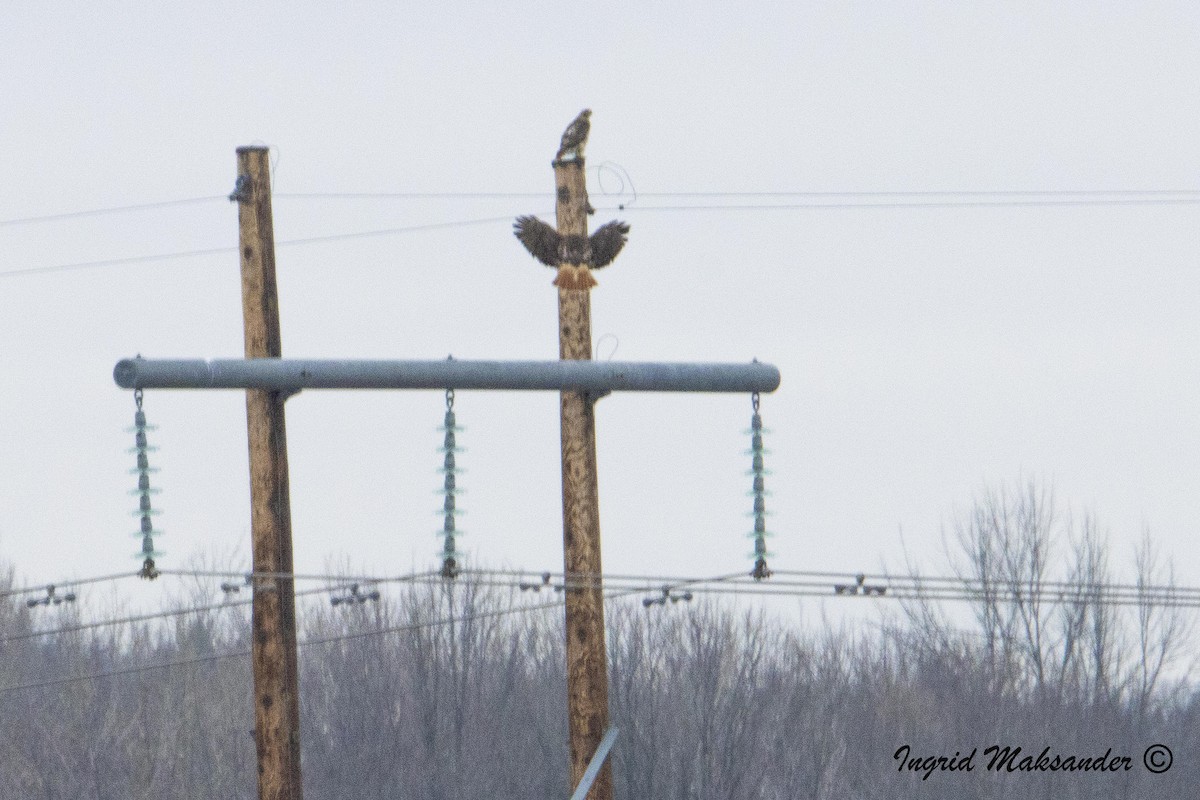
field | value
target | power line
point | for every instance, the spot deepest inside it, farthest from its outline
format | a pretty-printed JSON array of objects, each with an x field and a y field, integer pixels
[
  {"x": 338, "y": 580},
  {"x": 97, "y": 212},
  {"x": 1157, "y": 596},
  {"x": 106, "y": 623},
  {"x": 933, "y": 193},
  {"x": 60, "y": 584},
  {"x": 805, "y": 579},
  {"x": 1062, "y": 193},
  {"x": 335, "y": 237},
  {"x": 1148, "y": 201},
  {"x": 114, "y": 262},
  {"x": 404, "y": 195},
  {"x": 432, "y": 226},
  {"x": 828, "y": 579},
  {"x": 318, "y": 640},
  {"x": 994, "y": 583},
  {"x": 296, "y": 576},
  {"x": 468, "y": 195},
  {"x": 824, "y": 581},
  {"x": 695, "y": 585}
]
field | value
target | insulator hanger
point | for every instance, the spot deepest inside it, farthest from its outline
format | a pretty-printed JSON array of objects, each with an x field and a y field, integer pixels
[
  {"x": 451, "y": 558},
  {"x": 758, "y": 491},
  {"x": 535, "y": 587},
  {"x": 51, "y": 598},
  {"x": 354, "y": 596},
  {"x": 144, "y": 510},
  {"x": 231, "y": 587},
  {"x": 667, "y": 594},
  {"x": 859, "y": 584}
]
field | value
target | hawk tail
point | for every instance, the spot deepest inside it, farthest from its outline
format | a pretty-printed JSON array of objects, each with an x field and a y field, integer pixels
[{"x": 574, "y": 276}]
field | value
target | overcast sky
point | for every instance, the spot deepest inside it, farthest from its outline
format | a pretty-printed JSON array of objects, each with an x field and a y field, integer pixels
[{"x": 927, "y": 353}]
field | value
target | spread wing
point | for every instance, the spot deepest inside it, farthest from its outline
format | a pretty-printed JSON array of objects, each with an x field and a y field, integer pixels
[
  {"x": 606, "y": 242},
  {"x": 539, "y": 239}
]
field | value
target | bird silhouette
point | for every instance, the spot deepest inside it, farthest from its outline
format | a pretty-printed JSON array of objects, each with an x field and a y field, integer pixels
[
  {"x": 575, "y": 137},
  {"x": 574, "y": 255}
]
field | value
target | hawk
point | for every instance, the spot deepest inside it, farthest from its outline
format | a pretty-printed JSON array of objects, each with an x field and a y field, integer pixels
[
  {"x": 573, "y": 255},
  {"x": 575, "y": 137}
]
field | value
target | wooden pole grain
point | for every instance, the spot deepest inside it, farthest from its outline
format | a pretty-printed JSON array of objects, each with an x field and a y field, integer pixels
[
  {"x": 273, "y": 646},
  {"x": 587, "y": 666}
]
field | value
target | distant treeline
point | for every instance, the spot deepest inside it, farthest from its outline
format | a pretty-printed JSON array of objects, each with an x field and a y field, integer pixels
[{"x": 712, "y": 701}]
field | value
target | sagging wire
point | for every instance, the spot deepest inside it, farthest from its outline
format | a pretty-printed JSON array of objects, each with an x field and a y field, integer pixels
[{"x": 623, "y": 179}]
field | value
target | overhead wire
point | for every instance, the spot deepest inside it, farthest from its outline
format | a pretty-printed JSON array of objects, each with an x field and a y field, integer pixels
[
  {"x": 297, "y": 576},
  {"x": 915, "y": 204},
  {"x": 804, "y": 579},
  {"x": 308, "y": 240},
  {"x": 1044, "y": 198},
  {"x": 467, "y": 617},
  {"x": 42, "y": 587},
  {"x": 339, "y": 582},
  {"x": 828, "y": 579},
  {"x": 108, "y": 623},
  {"x": 393, "y": 195},
  {"x": 724, "y": 584},
  {"x": 97, "y": 212},
  {"x": 479, "y": 195}
]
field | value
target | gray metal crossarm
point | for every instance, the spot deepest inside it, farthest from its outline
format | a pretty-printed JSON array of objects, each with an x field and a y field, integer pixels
[{"x": 292, "y": 375}]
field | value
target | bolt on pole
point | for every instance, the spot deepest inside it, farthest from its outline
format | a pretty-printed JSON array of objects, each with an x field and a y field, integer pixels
[{"x": 273, "y": 644}]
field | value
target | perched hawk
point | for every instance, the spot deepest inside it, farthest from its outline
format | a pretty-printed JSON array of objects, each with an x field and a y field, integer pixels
[
  {"x": 573, "y": 255},
  {"x": 575, "y": 136}
]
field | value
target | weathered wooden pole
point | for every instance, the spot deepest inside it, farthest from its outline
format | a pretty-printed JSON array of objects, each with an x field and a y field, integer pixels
[
  {"x": 587, "y": 665},
  {"x": 273, "y": 647}
]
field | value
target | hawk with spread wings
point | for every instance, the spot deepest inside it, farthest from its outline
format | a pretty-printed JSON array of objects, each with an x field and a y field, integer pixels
[
  {"x": 574, "y": 256},
  {"x": 575, "y": 136}
]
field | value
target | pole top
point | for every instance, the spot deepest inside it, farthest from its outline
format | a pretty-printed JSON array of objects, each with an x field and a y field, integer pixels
[{"x": 253, "y": 148}]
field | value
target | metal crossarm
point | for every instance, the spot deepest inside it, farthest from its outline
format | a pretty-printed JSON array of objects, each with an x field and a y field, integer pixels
[{"x": 292, "y": 375}]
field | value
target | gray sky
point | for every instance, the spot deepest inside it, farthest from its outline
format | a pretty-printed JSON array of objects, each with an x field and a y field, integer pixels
[{"x": 926, "y": 352}]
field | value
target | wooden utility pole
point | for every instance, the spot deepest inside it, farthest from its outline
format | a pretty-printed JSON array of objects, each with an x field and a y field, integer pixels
[
  {"x": 273, "y": 648},
  {"x": 587, "y": 664}
]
